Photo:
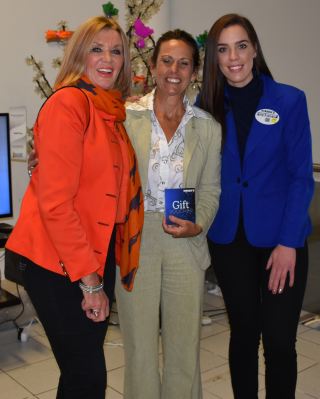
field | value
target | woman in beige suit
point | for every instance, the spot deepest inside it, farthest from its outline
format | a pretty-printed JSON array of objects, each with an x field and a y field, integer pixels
[{"x": 177, "y": 145}]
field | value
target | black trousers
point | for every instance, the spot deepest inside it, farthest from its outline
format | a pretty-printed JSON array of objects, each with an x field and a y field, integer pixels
[
  {"x": 255, "y": 312},
  {"x": 76, "y": 341}
]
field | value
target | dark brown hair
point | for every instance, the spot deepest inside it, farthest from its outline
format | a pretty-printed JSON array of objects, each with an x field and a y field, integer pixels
[
  {"x": 182, "y": 35},
  {"x": 212, "y": 91}
]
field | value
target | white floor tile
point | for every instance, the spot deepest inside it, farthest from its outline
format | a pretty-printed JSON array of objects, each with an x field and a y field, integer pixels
[
  {"x": 299, "y": 395},
  {"x": 213, "y": 329},
  {"x": 308, "y": 381},
  {"x": 222, "y": 319},
  {"x": 11, "y": 389},
  {"x": 302, "y": 329},
  {"x": 43, "y": 340},
  {"x": 20, "y": 354},
  {"x": 312, "y": 335},
  {"x": 217, "y": 344},
  {"x": 305, "y": 363},
  {"x": 116, "y": 379},
  {"x": 39, "y": 377},
  {"x": 302, "y": 395},
  {"x": 217, "y": 382},
  {"x": 111, "y": 394},
  {"x": 308, "y": 348},
  {"x": 209, "y": 360},
  {"x": 114, "y": 356},
  {"x": 113, "y": 334},
  {"x": 208, "y": 395},
  {"x": 52, "y": 394},
  {"x": 213, "y": 301}
]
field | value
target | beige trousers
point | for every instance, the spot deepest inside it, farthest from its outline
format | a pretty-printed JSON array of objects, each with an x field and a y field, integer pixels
[{"x": 168, "y": 280}]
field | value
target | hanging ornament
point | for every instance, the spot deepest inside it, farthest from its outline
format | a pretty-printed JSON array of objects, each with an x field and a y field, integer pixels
[
  {"x": 110, "y": 10},
  {"x": 60, "y": 35},
  {"x": 142, "y": 31},
  {"x": 202, "y": 39}
]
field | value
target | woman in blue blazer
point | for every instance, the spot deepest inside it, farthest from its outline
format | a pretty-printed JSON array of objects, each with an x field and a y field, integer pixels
[{"x": 258, "y": 238}]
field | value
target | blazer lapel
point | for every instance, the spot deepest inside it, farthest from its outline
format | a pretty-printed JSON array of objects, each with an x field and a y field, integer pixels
[
  {"x": 232, "y": 141},
  {"x": 191, "y": 139},
  {"x": 140, "y": 134},
  {"x": 258, "y": 130},
  {"x": 269, "y": 100}
]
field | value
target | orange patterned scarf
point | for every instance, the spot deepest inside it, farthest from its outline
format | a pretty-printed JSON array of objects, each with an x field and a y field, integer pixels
[{"x": 128, "y": 233}]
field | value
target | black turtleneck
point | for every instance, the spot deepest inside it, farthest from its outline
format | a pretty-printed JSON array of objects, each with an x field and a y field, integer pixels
[{"x": 244, "y": 102}]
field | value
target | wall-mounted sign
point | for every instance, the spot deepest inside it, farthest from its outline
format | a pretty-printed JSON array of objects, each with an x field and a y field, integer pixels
[{"x": 18, "y": 133}]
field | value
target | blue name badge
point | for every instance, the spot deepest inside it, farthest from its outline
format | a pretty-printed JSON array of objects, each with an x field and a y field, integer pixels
[{"x": 180, "y": 202}]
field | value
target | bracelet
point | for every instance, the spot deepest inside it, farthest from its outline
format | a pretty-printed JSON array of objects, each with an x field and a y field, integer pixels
[{"x": 89, "y": 288}]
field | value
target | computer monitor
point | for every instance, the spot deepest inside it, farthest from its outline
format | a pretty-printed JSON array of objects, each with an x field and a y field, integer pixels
[{"x": 5, "y": 168}]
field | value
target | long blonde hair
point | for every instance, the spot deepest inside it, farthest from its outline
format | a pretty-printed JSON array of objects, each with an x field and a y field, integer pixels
[{"x": 77, "y": 51}]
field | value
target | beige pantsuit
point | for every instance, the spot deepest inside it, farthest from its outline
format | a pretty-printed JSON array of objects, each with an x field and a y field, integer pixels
[{"x": 170, "y": 277}]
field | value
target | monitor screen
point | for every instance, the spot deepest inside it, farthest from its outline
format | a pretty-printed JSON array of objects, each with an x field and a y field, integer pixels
[{"x": 5, "y": 169}]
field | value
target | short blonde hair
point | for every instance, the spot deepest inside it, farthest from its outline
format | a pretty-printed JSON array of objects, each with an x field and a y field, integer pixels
[{"x": 77, "y": 51}]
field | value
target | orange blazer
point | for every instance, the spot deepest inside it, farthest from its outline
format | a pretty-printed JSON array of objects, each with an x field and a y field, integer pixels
[{"x": 69, "y": 209}]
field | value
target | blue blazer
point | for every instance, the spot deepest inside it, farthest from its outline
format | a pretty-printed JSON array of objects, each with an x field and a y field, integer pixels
[{"x": 275, "y": 182}]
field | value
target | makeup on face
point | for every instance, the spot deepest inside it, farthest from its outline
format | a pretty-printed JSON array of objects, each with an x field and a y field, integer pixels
[
  {"x": 105, "y": 59},
  {"x": 236, "y": 54},
  {"x": 174, "y": 67}
]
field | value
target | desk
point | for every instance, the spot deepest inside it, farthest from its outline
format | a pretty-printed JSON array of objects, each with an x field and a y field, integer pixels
[
  {"x": 3, "y": 239},
  {"x": 6, "y": 298}
]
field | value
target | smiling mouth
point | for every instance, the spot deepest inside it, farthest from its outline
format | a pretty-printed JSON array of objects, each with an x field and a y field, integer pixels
[
  {"x": 107, "y": 71},
  {"x": 173, "y": 80},
  {"x": 235, "y": 68}
]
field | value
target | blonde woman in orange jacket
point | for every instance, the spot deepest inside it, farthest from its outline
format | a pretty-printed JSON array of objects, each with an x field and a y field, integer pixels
[{"x": 85, "y": 192}]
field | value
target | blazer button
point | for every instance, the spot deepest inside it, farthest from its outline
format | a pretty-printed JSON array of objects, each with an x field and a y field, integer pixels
[{"x": 245, "y": 184}]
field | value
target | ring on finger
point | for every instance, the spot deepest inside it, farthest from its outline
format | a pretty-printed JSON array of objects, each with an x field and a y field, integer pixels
[
  {"x": 280, "y": 290},
  {"x": 95, "y": 312}
]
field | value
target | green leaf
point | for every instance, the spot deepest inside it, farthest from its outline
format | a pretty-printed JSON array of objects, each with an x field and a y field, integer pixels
[
  {"x": 109, "y": 9},
  {"x": 202, "y": 39}
]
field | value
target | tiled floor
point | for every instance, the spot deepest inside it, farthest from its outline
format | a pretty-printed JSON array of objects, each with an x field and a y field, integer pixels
[{"x": 28, "y": 369}]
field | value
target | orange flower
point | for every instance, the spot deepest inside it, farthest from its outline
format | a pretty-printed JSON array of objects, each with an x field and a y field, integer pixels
[
  {"x": 58, "y": 35},
  {"x": 138, "y": 78}
]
